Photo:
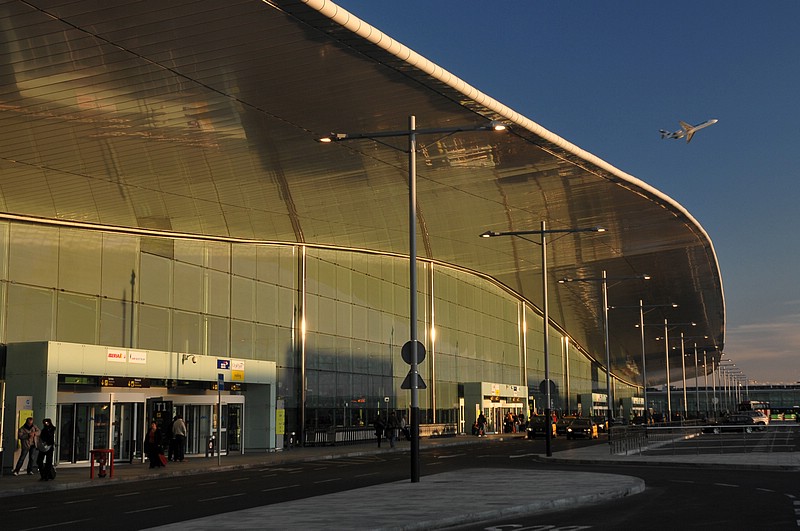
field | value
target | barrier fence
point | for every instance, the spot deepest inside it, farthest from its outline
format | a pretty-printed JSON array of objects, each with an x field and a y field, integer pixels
[
  {"x": 340, "y": 435},
  {"x": 698, "y": 438}
]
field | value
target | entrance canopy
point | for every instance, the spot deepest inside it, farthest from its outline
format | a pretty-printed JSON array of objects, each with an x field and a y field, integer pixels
[{"x": 200, "y": 117}]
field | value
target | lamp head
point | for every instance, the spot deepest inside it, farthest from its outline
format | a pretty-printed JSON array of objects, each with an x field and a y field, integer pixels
[{"x": 495, "y": 125}]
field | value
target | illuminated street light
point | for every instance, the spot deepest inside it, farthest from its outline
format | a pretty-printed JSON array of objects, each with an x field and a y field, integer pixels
[
  {"x": 411, "y": 133},
  {"x": 603, "y": 280},
  {"x": 543, "y": 232}
]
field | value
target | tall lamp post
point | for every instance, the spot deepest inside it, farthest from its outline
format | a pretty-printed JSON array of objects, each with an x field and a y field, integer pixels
[
  {"x": 413, "y": 380},
  {"x": 603, "y": 280},
  {"x": 642, "y": 313},
  {"x": 542, "y": 233}
]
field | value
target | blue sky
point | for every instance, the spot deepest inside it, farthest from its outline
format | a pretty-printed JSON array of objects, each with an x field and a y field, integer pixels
[{"x": 607, "y": 76}]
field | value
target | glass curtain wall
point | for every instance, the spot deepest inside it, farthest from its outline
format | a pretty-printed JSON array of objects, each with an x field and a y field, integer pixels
[{"x": 347, "y": 314}]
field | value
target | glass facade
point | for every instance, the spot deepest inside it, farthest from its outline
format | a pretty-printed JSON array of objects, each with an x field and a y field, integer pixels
[{"x": 332, "y": 320}]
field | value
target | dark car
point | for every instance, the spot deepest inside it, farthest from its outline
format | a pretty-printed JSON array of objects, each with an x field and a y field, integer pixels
[
  {"x": 537, "y": 425},
  {"x": 562, "y": 424},
  {"x": 736, "y": 422},
  {"x": 582, "y": 427},
  {"x": 601, "y": 421}
]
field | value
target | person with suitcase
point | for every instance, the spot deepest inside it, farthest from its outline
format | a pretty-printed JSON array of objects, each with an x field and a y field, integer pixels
[{"x": 46, "y": 443}]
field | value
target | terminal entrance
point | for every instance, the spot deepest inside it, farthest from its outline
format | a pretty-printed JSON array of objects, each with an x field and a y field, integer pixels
[{"x": 83, "y": 427}]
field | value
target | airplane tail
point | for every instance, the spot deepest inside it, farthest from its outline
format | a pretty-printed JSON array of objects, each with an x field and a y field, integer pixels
[{"x": 664, "y": 134}]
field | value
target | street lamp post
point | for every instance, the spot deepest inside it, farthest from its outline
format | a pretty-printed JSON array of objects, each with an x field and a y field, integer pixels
[
  {"x": 642, "y": 313},
  {"x": 543, "y": 232},
  {"x": 413, "y": 379},
  {"x": 603, "y": 280}
]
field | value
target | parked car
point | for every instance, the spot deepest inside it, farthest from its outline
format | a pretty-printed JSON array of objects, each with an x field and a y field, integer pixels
[
  {"x": 537, "y": 424},
  {"x": 736, "y": 422},
  {"x": 759, "y": 416},
  {"x": 582, "y": 427}
]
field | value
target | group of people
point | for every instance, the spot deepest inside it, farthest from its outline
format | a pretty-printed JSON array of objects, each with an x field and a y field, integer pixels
[
  {"x": 176, "y": 446},
  {"x": 390, "y": 428},
  {"x": 38, "y": 445}
]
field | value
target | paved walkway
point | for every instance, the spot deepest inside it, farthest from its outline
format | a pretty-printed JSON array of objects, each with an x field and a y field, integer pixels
[{"x": 436, "y": 501}]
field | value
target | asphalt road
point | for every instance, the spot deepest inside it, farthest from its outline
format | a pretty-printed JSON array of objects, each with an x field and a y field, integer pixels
[{"x": 676, "y": 497}]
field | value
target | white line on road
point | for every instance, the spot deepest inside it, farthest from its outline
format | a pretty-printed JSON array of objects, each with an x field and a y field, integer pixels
[
  {"x": 521, "y": 455},
  {"x": 126, "y": 494},
  {"x": 269, "y": 475},
  {"x": 280, "y": 488},
  {"x": 358, "y": 475},
  {"x": 148, "y": 509},
  {"x": 725, "y": 485},
  {"x": 207, "y": 483},
  {"x": 221, "y": 497},
  {"x": 327, "y": 480},
  {"x": 59, "y": 524},
  {"x": 22, "y": 509},
  {"x": 765, "y": 490},
  {"x": 240, "y": 479},
  {"x": 169, "y": 488},
  {"x": 449, "y": 456},
  {"x": 79, "y": 501}
]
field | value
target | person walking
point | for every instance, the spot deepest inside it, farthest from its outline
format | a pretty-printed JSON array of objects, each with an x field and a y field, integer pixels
[
  {"x": 379, "y": 427},
  {"x": 27, "y": 435},
  {"x": 392, "y": 426},
  {"x": 179, "y": 437},
  {"x": 46, "y": 442},
  {"x": 481, "y": 425},
  {"x": 152, "y": 446}
]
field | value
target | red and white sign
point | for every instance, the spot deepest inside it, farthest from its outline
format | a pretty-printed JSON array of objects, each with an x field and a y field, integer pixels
[{"x": 119, "y": 356}]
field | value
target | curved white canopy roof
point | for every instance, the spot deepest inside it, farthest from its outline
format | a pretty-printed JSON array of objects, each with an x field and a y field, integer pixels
[{"x": 200, "y": 117}]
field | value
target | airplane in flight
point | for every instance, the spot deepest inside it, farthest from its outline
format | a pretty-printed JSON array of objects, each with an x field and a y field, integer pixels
[{"x": 687, "y": 130}]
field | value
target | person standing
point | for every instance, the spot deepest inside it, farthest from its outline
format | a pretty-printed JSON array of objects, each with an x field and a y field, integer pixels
[
  {"x": 27, "y": 435},
  {"x": 45, "y": 444},
  {"x": 379, "y": 427},
  {"x": 152, "y": 446},
  {"x": 392, "y": 426},
  {"x": 179, "y": 437},
  {"x": 481, "y": 425}
]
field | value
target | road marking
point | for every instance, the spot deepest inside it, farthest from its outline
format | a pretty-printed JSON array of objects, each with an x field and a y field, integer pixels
[
  {"x": 240, "y": 479},
  {"x": 79, "y": 501},
  {"x": 169, "y": 488},
  {"x": 269, "y": 475},
  {"x": 221, "y": 497},
  {"x": 207, "y": 483},
  {"x": 521, "y": 455},
  {"x": 796, "y": 502},
  {"x": 358, "y": 476},
  {"x": 725, "y": 485},
  {"x": 56, "y": 525},
  {"x": 22, "y": 509},
  {"x": 327, "y": 480},
  {"x": 280, "y": 488},
  {"x": 449, "y": 456},
  {"x": 682, "y": 481},
  {"x": 148, "y": 509},
  {"x": 126, "y": 494},
  {"x": 765, "y": 490}
]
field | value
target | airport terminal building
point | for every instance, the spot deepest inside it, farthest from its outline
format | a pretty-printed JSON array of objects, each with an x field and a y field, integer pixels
[{"x": 173, "y": 237}]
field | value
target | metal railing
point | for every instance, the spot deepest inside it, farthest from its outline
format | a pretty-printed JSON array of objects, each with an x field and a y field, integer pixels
[
  {"x": 340, "y": 435},
  {"x": 683, "y": 439}
]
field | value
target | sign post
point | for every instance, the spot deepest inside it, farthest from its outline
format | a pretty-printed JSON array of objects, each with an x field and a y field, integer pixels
[{"x": 220, "y": 385}]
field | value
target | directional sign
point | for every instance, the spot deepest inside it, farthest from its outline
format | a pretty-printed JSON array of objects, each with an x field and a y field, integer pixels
[
  {"x": 220, "y": 381},
  {"x": 409, "y": 379},
  {"x": 408, "y": 352}
]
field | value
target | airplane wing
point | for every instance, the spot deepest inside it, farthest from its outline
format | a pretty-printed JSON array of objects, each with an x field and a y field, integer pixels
[
  {"x": 685, "y": 126},
  {"x": 689, "y": 136}
]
